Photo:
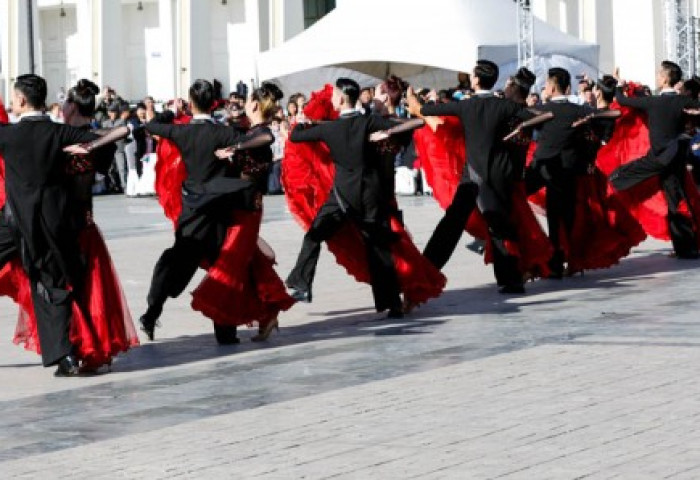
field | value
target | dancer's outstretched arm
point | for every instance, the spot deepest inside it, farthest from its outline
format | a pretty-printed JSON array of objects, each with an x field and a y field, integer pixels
[
  {"x": 596, "y": 115},
  {"x": 402, "y": 126},
  {"x": 529, "y": 123},
  {"x": 261, "y": 139},
  {"x": 106, "y": 137}
]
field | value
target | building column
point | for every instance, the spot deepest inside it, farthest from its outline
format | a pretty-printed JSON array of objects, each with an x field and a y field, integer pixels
[
  {"x": 86, "y": 52},
  {"x": 15, "y": 42},
  {"x": 166, "y": 19},
  {"x": 108, "y": 54}
]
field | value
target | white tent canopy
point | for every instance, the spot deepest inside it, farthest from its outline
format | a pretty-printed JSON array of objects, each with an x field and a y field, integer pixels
[{"x": 423, "y": 42}]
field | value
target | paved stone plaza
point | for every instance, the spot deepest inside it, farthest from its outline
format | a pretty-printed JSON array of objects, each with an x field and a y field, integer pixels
[{"x": 589, "y": 377}]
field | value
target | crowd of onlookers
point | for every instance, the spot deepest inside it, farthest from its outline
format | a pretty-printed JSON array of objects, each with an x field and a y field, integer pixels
[{"x": 133, "y": 173}]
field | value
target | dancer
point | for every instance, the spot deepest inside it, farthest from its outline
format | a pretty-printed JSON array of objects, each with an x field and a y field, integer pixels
[
  {"x": 308, "y": 174},
  {"x": 666, "y": 158},
  {"x": 38, "y": 222},
  {"x": 101, "y": 325},
  {"x": 209, "y": 193},
  {"x": 557, "y": 163},
  {"x": 242, "y": 286},
  {"x": 487, "y": 177},
  {"x": 356, "y": 197}
]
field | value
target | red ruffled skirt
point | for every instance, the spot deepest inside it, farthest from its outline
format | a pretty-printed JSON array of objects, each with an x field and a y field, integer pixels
[
  {"x": 307, "y": 177},
  {"x": 242, "y": 286},
  {"x": 101, "y": 326}
]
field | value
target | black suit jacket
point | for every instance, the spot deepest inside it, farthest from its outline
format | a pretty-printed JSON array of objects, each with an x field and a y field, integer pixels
[
  {"x": 666, "y": 117},
  {"x": 485, "y": 119},
  {"x": 39, "y": 204},
  {"x": 209, "y": 178},
  {"x": 357, "y": 184},
  {"x": 557, "y": 140}
]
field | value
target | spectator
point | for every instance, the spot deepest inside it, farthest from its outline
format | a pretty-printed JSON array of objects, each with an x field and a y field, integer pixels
[
  {"x": 118, "y": 171},
  {"x": 292, "y": 109},
  {"x": 150, "y": 106},
  {"x": 533, "y": 99},
  {"x": 109, "y": 97},
  {"x": 55, "y": 113},
  {"x": 280, "y": 130}
]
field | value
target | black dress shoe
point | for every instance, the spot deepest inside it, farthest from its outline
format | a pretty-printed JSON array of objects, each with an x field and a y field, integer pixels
[
  {"x": 301, "y": 295},
  {"x": 149, "y": 320},
  {"x": 511, "y": 289},
  {"x": 226, "y": 335},
  {"x": 477, "y": 246},
  {"x": 395, "y": 313},
  {"x": 67, "y": 367}
]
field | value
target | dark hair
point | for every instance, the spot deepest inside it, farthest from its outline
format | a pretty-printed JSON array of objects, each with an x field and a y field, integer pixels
[
  {"x": 202, "y": 95},
  {"x": 394, "y": 87},
  {"x": 607, "y": 86},
  {"x": 561, "y": 78},
  {"x": 487, "y": 73},
  {"x": 692, "y": 87},
  {"x": 350, "y": 89},
  {"x": 674, "y": 72},
  {"x": 83, "y": 96},
  {"x": 524, "y": 79},
  {"x": 33, "y": 87},
  {"x": 140, "y": 105},
  {"x": 267, "y": 95}
]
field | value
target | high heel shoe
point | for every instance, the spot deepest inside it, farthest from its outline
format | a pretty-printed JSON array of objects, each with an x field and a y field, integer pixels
[{"x": 264, "y": 331}]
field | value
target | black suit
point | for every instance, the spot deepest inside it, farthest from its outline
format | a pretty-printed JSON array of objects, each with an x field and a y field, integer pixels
[
  {"x": 666, "y": 158},
  {"x": 209, "y": 195},
  {"x": 556, "y": 164},
  {"x": 38, "y": 223},
  {"x": 487, "y": 181},
  {"x": 357, "y": 197}
]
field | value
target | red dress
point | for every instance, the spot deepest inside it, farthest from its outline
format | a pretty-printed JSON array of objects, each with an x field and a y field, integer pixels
[
  {"x": 307, "y": 177},
  {"x": 646, "y": 201},
  {"x": 442, "y": 154},
  {"x": 604, "y": 230},
  {"x": 101, "y": 326},
  {"x": 242, "y": 286}
]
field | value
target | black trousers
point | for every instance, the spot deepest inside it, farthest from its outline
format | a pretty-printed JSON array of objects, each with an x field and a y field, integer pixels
[
  {"x": 560, "y": 184},
  {"x": 671, "y": 171},
  {"x": 198, "y": 237},
  {"x": 377, "y": 237},
  {"x": 52, "y": 300}
]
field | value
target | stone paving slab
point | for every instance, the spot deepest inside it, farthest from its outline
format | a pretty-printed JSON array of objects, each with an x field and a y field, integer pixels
[
  {"x": 593, "y": 376},
  {"x": 498, "y": 417}
]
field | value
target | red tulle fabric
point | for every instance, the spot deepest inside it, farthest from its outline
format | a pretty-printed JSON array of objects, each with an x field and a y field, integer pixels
[
  {"x": 242, "y": 286},
  {"x": 442, "y": 154},
  {"x": 307, "y": 178},
  {"x": 646, "y": 201},
  {"x": 101, "y": 326}
]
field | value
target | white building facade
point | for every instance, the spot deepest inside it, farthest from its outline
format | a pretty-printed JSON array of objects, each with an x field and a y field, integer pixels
[
  {"x": 158, "y": 47},
  {"x": 631, "y": 33},
  {"x": 148, "y": 47}
]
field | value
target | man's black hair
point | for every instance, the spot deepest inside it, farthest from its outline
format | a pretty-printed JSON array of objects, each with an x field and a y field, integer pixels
[
  {"x": 674, "y": 72},
  {"x": 202, "y": 95},
  {"x": 487, "y": 73},
  {"x": 350, "y": 89},
  {"x": 33, "y": 87},
  {"x": 561, "y": 78}
]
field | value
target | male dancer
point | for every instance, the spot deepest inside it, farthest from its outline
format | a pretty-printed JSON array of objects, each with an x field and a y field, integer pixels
[
  {"x": 37, "y": 223},
  {"x": 557, "y": 161},
  {"x": 356, "y": 197},
  {"x": 668, "y": 153},
  {"x": 488, "y": 174},
  {"x": 208, "y": 196}
]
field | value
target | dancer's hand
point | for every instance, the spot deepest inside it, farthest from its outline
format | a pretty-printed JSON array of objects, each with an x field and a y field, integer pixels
[
  {"x": 692, "y": 111},
  {"x": 581, "y": 121},
  {"x": 512, "y": 134},
  {"x": 77, "y": 149},
  {"x": 414, "y": 105},
  {"x": 433, "y": 122},
  {"x": 225, "y": 153},
  {"x": 379, "y": 136}
]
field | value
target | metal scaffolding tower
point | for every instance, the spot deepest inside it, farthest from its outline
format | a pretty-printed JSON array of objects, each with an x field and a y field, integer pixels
[
  {"x": 681, "y": 35},
  {"x": 526, "y": 34}
]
